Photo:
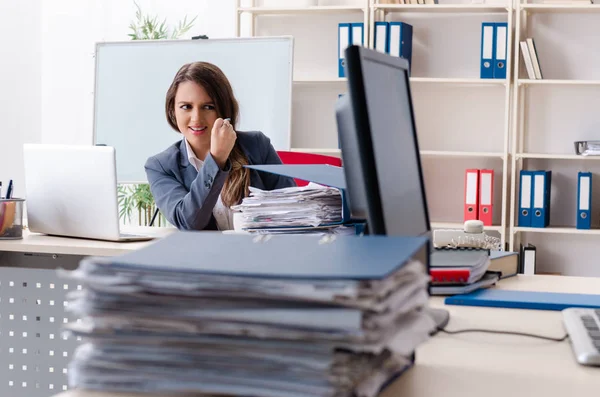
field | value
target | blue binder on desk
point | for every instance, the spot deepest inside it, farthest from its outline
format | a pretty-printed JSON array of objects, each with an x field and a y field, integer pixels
[
  {"x": 584, "y": 200},
  {"x": 524, "y": 300},
  {"x": 323, "y": 174},
  {"x": 541, "y": 183},
  {"x": 345, "y": 258}
]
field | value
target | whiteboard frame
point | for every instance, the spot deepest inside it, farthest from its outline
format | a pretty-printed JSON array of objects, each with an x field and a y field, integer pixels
[{"x": 168, "y": 41}]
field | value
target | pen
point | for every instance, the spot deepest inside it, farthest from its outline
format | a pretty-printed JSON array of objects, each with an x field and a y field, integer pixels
[{"x": 9, "y": 189}]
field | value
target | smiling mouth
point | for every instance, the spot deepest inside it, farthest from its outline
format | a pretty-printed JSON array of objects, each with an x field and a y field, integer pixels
[{"x": 197, "y": 130}]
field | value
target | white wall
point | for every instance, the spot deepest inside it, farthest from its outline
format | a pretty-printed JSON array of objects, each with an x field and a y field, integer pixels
[
  {"x": 71, "y": 29},
  {"x": 47, "y": 68},
  {"x": 20, "y": 79}
]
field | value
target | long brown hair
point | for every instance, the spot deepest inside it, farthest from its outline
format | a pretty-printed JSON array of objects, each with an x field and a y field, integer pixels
[{"x": 217, "y": 86}]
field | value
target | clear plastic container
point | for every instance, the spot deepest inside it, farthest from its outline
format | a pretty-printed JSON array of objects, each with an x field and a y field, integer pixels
[{"x": 11, "y": 218}]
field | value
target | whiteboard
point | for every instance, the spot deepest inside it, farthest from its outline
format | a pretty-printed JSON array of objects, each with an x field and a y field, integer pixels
[{"x": 132, "y": 79}]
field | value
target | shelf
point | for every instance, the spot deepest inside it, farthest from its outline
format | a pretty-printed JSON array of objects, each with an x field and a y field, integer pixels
[
  {"x": 337, "y": 80},
  {"x": 548, "y": 156},
  {"x": 556, "y": 230},
  {"x": 458, "y": 225},
  {"x": 300, "y": 10},
  {"x": 429, "y": 153},
  {"x": 481, "y": 8},
  {"x": 557, "y": 82},
  {"x": 465, "y": 81},
  {"x": 566, "y": 8},
  {"x": 442, "y": 153},
  {"x": 416, "y": 80}
]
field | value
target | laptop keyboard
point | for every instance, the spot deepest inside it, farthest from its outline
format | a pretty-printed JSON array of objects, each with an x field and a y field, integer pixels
[{"x": 583, "y": 327}]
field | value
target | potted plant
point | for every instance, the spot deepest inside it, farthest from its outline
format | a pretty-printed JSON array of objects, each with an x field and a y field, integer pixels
[{"x": 138, "y": 197}]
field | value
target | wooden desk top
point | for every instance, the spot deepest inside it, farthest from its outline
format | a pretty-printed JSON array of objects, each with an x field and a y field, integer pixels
[
  {"x": 489, "y": 365},
  {"x": 34, "y": 242}
]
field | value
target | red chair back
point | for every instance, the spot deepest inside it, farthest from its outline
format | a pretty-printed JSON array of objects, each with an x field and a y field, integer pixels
[{"x": 307, "y": 158}]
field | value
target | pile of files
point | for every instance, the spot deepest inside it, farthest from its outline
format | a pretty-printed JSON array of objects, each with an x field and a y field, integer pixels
[
  {"x": 306, "y": 208},
  {"x": 461, "y": 270},
  {"x": 259, "y": 315}
]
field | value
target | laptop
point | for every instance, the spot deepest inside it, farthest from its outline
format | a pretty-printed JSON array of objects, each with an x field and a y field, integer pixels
[{"x": 71, "y": 191}]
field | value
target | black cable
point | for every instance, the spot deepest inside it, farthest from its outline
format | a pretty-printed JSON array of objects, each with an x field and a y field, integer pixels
[{"x": 488, "y": 331}]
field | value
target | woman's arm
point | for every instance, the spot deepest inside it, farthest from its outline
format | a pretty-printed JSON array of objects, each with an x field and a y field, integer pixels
[
  {"x": 187, "y": 210},
  {"x": 270, "y": 156}
]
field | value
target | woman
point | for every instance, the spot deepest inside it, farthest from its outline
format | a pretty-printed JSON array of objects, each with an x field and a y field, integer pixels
[{"x": 195, "y": 181}]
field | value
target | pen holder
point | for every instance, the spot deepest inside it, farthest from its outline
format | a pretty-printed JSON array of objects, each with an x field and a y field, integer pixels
[{"x": 11, "y": 219}]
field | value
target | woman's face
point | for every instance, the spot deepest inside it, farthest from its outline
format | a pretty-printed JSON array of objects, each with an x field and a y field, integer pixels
[{"x": 195, "y": 113}]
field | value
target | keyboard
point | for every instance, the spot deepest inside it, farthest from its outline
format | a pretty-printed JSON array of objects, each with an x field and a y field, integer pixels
[{"x": 583, "y": 327}]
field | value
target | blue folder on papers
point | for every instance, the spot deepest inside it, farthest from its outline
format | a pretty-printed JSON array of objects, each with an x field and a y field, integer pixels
[
  {"x": 524, "y": 300},
  {"x": 323, "y": 174},
  {"x": 277, "y": 257}
]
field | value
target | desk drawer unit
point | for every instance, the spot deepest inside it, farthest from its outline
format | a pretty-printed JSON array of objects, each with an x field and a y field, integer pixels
[{"x": 34, "y": 351}]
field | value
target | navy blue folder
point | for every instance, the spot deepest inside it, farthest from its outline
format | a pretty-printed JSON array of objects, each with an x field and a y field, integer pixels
[
  {"x": 277, "y": 256},
  {"x": 524, "y": 300}
]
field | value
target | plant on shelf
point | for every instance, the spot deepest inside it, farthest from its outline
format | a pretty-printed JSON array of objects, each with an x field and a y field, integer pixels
[
  {"x": 146, "y": 27},
  {"x": 138, "y": 196}
]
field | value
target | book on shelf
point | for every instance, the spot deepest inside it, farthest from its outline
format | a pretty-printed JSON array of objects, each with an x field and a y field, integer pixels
[{"x": 531, "y": 60}]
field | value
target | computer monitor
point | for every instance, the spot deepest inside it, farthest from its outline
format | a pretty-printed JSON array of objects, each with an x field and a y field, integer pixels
[
  {"x": 71, "y": 190},
  {"x": 380, "y": 150}
]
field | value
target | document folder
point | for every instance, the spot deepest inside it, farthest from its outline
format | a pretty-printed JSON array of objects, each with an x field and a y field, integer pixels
[
  {"x": 382, "y": 37},
  {"x": 280, "y": 256},
  {"x": 542, "y": 181},
  {"x": 400, "y": 41},
  {"x": 584, "y": 200},
  {"x": 344, "y": 40},
  {"x": 525, "y": 194},
  {"x": 488, "y": 47},
  {"x": 486, "y": 196},
  {"x": 500, "y": 38},
  {"x": 357, "y": 34},
  {"x": 525, "y": 300},
  {"x": 471, "y": 205},
  {"x": 323, "y": 174}
]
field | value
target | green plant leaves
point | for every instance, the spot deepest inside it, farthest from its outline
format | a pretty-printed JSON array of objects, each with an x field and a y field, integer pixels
[{"x": 146, "y": 27}]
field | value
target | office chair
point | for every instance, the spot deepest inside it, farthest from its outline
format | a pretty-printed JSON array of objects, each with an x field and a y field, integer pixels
[{"x": 307, "y": 158}]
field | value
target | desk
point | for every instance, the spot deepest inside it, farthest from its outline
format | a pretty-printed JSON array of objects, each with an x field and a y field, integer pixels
[
  {"x": 34, "y": 353},
  {"x": 485, "y": 365},
  {"x": 40, "y": 243}
]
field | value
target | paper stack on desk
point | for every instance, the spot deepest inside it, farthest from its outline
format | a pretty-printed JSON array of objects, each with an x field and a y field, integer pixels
[
  {"x": 311, "y": 206},
  {"x": 251, "y": 315}
]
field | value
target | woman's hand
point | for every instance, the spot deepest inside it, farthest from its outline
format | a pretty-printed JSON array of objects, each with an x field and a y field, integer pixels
[{"x": 222, "y": 139}]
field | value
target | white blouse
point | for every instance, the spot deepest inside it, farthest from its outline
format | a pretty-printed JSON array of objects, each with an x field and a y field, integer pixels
[{"x": 223, "y": 214}]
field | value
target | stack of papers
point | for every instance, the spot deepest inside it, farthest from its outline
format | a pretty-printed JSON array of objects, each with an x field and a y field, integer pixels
[
  {"x": 308, "y": 206},
  {"x": 340, "y": 317}
]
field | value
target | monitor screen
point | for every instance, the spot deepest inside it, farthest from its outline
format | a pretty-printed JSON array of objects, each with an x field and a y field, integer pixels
[
  {"x": 387, "y": 140},
  {"x": 349, "y": 143}
]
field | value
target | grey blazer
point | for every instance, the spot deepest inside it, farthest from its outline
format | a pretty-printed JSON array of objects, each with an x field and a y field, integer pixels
[{"x": 187, "y": 197}]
